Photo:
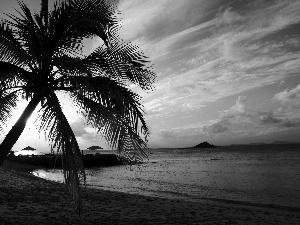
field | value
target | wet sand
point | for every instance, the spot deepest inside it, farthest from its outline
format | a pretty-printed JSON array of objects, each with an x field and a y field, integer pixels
[{"x": 25, "y": 199}]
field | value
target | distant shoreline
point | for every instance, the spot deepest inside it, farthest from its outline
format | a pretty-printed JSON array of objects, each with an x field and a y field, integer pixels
[
  {"x": 273, "y": 143},
  {"x": 233, "y": 145}
]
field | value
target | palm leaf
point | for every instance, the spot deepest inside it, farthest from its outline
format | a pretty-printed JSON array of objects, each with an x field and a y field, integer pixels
[
  {"x": 10, "y": 49},
  {"x": 70, "y": 65},
  {"x": 71, "y": 21},
  {"x": 114, "y": 128},
  {"x": 123, "y": 62},
  {"x": 12, "y": 75},
  {"x": 29, "y": 33},
  {"x": 62, "y": 138},
  {"x": 110, "y": 94},
  {"x": 114, "y": 110},
  {"x": 8, "y": 102}
]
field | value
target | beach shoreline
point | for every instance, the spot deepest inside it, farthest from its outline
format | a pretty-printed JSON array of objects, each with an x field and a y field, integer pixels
[{"x": 26, "y": 199}]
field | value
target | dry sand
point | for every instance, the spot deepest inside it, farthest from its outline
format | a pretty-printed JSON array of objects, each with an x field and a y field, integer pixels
[{"x": 25, "y": 199}]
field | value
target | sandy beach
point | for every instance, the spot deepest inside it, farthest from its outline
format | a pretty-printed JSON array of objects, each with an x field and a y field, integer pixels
[{"x": 25, "y": 199}]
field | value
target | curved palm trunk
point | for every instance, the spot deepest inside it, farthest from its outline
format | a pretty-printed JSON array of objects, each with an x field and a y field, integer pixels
[{"x": 16, "y": 131}]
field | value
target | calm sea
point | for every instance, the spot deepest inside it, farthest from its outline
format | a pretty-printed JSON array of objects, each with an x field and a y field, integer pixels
[{"x": 256, "y": 174}]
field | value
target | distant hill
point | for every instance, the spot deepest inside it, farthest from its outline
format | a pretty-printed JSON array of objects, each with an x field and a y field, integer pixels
[
  {"x": 273, "y": 143},
  {"x": 204, "y": 145},
  {"x": 258, "y": 143},
  {"x": 281, "y": 142}
]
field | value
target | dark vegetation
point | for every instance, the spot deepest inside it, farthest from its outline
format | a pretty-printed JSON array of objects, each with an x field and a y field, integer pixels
[{"x": 55, "y": 161}]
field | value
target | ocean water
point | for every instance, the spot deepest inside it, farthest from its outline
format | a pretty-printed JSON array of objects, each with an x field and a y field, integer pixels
[{"x": 256, "y": 174}]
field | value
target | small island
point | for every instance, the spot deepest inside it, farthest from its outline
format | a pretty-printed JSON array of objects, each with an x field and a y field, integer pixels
[{"x": 204, "y": 145}]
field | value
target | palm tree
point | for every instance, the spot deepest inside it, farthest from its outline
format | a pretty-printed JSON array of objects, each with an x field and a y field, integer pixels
[{"x": 41, "y": 55}]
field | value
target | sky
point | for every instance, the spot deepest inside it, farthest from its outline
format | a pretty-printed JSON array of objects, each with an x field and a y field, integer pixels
[{"x": 228, "y": 72}]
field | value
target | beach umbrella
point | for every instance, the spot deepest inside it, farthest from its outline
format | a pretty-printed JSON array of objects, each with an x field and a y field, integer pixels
[
  {"x": 28, "y": 148},
  {"x": 94, "y": 147},
  {"x": 27, "y": 151}
]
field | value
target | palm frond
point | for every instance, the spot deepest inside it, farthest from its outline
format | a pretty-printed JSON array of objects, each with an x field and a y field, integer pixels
[
  {"x": 110, "y": 94},
  {"x": 8, "y": 102},
  {"x": 70, "y": 65},
  {"x": 123, "y": 62},
  {"x": 71, "y": 21},
  {"x": 10, "y": 49},
  {"x": 12, "y": 75},
  {"x": 114, "y": 111},
  {"x": 94, "y": 17},
  {"x": 114, "y": 128},
  {"x": 62, "y": 138},
  {"x": 61, "y": 38},
  {"x": 29, "y": 33},
  {"x": 44, "y": 15}
]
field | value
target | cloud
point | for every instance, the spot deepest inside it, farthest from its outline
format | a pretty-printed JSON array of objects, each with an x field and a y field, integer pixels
[
  {"x": 289, "y": 98},
  {"x": 236, "y": 110},
  {"x": 230, "y": 16},
  {"x": 239, "y": 117},
  {"x": 235, "y": 113},
  {"x": 191, "y": 106},
  {"x": 185, "y": 50},
  {"x": 239, "y": 106},
  {"x": 168, "y": 134},
  {"x": 182, "y": 88},
  {"x": 86, "y": 135},
  {"x": 159, "y": 19},
  {"x": 79, "y": 128},
  {"x": 218, "y": 127},
  {"x": 233, "y": 51},
  {"x": 267, "y": 118},
  {"x": 291, "y": 123},
  {"x": 280, "y": 83}
]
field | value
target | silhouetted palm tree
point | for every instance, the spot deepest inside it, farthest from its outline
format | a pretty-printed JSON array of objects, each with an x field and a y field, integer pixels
[{"x": 41, "y": 55}]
